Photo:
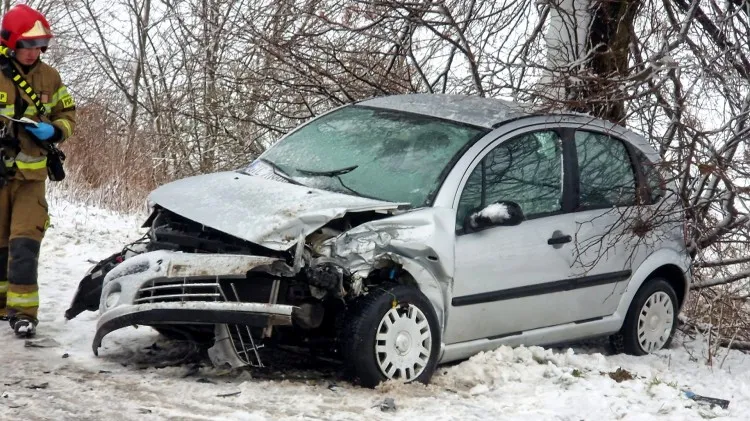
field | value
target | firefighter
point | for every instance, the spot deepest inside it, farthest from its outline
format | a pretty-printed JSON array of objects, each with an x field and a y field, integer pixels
[{"x": 29, "y": 89}]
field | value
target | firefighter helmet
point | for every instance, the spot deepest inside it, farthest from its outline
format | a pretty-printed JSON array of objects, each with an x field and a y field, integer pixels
[{"x": 24, "y": 27}]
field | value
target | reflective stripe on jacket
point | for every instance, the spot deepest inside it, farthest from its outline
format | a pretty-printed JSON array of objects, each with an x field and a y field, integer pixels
[{"x": 31, "y": 161}]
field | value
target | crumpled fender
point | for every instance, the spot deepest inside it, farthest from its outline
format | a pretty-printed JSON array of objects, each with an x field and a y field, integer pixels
[{"x": 416, "y": 240}]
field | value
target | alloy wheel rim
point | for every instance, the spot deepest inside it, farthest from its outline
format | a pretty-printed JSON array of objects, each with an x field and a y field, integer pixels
[
  {"x": 403, "y": 343},
  {"x": 655, "y": 322}
]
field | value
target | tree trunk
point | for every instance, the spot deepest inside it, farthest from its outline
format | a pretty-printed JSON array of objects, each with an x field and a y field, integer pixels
[
  {"x": 587, "y": 56},
  {"x": 608, "y": 44},
  {"x": 142, "y": 24},
  {"x": 565, "y": 40}
]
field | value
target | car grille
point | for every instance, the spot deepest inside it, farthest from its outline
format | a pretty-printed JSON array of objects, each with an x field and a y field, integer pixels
[
  {"x": 171, "y": 290},
  {"x": 244, "y": 340}
]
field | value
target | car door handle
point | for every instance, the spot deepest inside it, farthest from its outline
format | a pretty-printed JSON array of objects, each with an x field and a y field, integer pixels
[{"x": 561, "y": 239}]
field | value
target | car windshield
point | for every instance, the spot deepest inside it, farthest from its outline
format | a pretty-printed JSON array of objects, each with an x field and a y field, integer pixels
[{"x": 383, "y": 154}]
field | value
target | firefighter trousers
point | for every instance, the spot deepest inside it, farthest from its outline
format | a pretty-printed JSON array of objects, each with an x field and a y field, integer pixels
[{"x": 23, "y": 221}]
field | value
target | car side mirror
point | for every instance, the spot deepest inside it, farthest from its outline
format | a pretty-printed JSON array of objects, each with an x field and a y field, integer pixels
[{"x": 500, "y": 213}]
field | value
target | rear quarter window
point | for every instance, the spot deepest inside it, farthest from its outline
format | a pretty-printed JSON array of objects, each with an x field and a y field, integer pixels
[{"x": 655, "y": 181}]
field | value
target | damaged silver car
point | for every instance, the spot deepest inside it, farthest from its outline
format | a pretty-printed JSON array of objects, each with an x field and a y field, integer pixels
[{"x": 405, "y": 231}]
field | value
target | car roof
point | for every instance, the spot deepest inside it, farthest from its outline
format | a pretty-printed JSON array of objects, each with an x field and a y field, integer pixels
[
  {"x": 492, "y": 112},
  {"x": 474, "y": 110}
]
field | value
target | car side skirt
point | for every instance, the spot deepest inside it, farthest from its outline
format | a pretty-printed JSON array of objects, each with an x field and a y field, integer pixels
[{"x": 544, "y": 336}]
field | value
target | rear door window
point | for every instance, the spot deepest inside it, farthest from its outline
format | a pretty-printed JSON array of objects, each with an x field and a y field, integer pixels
[{"x": 606, "y": 176}]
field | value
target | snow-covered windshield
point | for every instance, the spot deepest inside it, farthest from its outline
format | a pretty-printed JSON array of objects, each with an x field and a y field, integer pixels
[{"x": 383, "y": 154}]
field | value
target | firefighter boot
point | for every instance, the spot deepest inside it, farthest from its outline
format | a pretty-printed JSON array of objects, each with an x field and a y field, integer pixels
[
  {"x": 23, "y": 292},
  {"x": 23, "y": 326}
]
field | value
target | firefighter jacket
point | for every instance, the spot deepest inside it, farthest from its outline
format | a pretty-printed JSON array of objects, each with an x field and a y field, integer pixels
[{"x": 28, "y": 158}]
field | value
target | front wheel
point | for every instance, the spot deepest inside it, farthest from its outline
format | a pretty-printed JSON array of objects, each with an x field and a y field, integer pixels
[
  {"x": 651, "y": 320},
  {"x": 392, "y": 333}
]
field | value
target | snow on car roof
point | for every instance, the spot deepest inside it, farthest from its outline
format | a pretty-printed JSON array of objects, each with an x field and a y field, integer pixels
[
  {"x": 474, "y": 110},
  {"x": 490, "y": 112}
]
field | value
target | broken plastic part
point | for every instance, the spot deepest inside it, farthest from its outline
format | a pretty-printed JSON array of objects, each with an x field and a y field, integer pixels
[
  {"x": 299, "y": 252},
  {"x": 222, "y": 353},
  {"x": 722, "y": 403}
]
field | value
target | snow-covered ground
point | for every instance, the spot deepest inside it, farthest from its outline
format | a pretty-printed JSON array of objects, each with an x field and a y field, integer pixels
[{"x": 64, "y": 380}]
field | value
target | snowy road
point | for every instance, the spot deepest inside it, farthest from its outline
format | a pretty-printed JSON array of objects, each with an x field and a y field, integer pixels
[{"x": 66, "y": 381}]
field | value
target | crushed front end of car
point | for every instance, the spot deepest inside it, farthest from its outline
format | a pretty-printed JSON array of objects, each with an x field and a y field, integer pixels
[
  {"x": 195, "y": 274},
  {"x": 169, "y": 289}
]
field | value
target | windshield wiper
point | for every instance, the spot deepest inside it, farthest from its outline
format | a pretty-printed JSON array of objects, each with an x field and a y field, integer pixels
[
  {"x": 331, "y": 173},
  {"x": 334, "y": 174},
  {"x": 278, "y": 171}
]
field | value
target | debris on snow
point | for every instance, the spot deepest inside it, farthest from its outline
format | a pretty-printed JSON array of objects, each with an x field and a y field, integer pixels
[
  {"x": 388, "y": 405},
  {"x": 620, "y": 375},
  {"x": 45, "y": 342},
  {"x": 721, "y": 403},
  {"x": 226, "y": 395}
]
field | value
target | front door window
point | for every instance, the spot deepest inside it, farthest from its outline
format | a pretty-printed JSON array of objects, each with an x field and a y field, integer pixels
[{"x": 526, "y": 170}]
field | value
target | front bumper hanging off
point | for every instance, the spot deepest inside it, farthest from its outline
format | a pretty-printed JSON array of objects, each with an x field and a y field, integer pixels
[{"x": 171, "y": 288}]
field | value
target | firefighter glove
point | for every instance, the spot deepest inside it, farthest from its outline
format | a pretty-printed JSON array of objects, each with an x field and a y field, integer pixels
[{"x": 42, "y": 131}]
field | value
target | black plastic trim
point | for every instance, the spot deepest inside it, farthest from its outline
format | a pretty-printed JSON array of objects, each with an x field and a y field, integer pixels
[
  {"x": 571, "y": 180},
  {"x": 593, "y": 319},
  {"x": 540, "y": 289},
  {"x": 505, "y": 335}
]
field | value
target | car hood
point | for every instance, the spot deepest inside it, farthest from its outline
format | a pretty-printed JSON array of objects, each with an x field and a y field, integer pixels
[{"x": 268, "y": 213}]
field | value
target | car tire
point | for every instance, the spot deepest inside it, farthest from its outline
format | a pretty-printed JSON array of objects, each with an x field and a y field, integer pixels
[
  {"x": 390, "y": 333},
  {"x": 650, "y": 322}
]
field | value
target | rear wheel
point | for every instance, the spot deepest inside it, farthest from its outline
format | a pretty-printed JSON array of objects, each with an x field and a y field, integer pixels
[
  {"x": 392, "y": 333},
  {"x": 651, "y": 320}
]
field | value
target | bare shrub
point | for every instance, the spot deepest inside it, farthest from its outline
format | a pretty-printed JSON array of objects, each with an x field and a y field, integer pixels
[{"x": 105, "y": 168}]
